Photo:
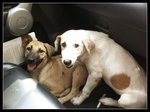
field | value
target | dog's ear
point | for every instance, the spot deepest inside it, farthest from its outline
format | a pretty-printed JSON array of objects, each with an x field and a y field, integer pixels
[
  {"x": 57, "y": 42},
  {"x": 89, "y": 45},
  {"x": 50, "y": 49},
  {"x": 26, "y": 39}
]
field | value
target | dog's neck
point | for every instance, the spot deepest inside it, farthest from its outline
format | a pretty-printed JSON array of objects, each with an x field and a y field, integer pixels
[
  {"x": 35, "y": 73},
  {"x": 84, "y": 56}
]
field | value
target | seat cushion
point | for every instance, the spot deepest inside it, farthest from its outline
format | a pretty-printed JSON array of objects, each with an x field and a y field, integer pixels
[{"x": 20, "y": 91}]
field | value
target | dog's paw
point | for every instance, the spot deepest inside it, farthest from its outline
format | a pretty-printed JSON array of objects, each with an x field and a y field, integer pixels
[
  {"x": 77, "y": 100},
  {"x": 108, "y": 101},
  {"x": 61, "y": 100}
]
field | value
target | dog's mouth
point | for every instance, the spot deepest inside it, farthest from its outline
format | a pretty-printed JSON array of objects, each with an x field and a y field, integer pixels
[
  {"x": 32, "y": 66},
  {"x": 69, "y": 66}
]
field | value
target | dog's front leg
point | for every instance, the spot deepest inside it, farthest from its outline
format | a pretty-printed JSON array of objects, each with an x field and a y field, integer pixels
[{"x": 91, "y": 83}]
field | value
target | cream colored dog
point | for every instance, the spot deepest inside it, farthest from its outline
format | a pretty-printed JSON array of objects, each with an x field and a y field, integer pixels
[
  {"x": 49, "y": 71},
  {"x": 105, "y": 59}
]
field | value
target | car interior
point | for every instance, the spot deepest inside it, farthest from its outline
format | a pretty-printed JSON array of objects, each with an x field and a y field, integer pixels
[{"x": 126, "y": 23}]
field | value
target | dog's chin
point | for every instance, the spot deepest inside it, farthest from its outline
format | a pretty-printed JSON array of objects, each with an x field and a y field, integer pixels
[{"x": 70, "y": 66}]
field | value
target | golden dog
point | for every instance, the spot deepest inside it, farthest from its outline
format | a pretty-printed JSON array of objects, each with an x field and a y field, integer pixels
[{"x": 49, "y": 71}]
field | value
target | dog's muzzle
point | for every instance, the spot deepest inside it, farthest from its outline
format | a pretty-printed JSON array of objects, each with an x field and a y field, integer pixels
[{"x": 30, "y": 61}]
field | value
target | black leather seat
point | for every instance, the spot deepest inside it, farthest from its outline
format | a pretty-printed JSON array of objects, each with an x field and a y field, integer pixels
[{"x": 20, "y": 91}]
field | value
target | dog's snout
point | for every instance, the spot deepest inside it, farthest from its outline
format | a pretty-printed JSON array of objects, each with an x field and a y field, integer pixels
[
  {"x": 67, "y": 62},
  {"x": 30, "y": 60}
]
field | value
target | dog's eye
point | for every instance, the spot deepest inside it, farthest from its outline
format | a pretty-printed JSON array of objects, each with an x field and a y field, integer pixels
[
  {"x": 63, "y": 44},
  {"x": 29, "y": 48},
  {"x": 76, "y": 45},
  {"x": 41, "y": 51}
]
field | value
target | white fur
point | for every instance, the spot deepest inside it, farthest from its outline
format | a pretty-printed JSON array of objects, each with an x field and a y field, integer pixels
[{"x": 103, "y": 61}]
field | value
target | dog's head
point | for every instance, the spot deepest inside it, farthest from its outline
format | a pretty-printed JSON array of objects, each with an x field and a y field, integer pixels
[
  {"x": 36, "y": 53},
  {"x": 73, "y": 46}
]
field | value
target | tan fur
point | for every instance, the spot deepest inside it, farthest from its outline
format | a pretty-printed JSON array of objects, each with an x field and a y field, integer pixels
[
  {"x": 63, "y": 82},
  {"x": 50, "y": 49},
  {"x": 120, "y": 81},
  {"x": 89, "y": 45},
  {"x": 57, "y": 41}
]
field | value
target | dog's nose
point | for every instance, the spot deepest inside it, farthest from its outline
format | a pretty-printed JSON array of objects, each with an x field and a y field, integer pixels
[
  {"x": 30, "y": 61},
  {"x": 67, "y": 62}
]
